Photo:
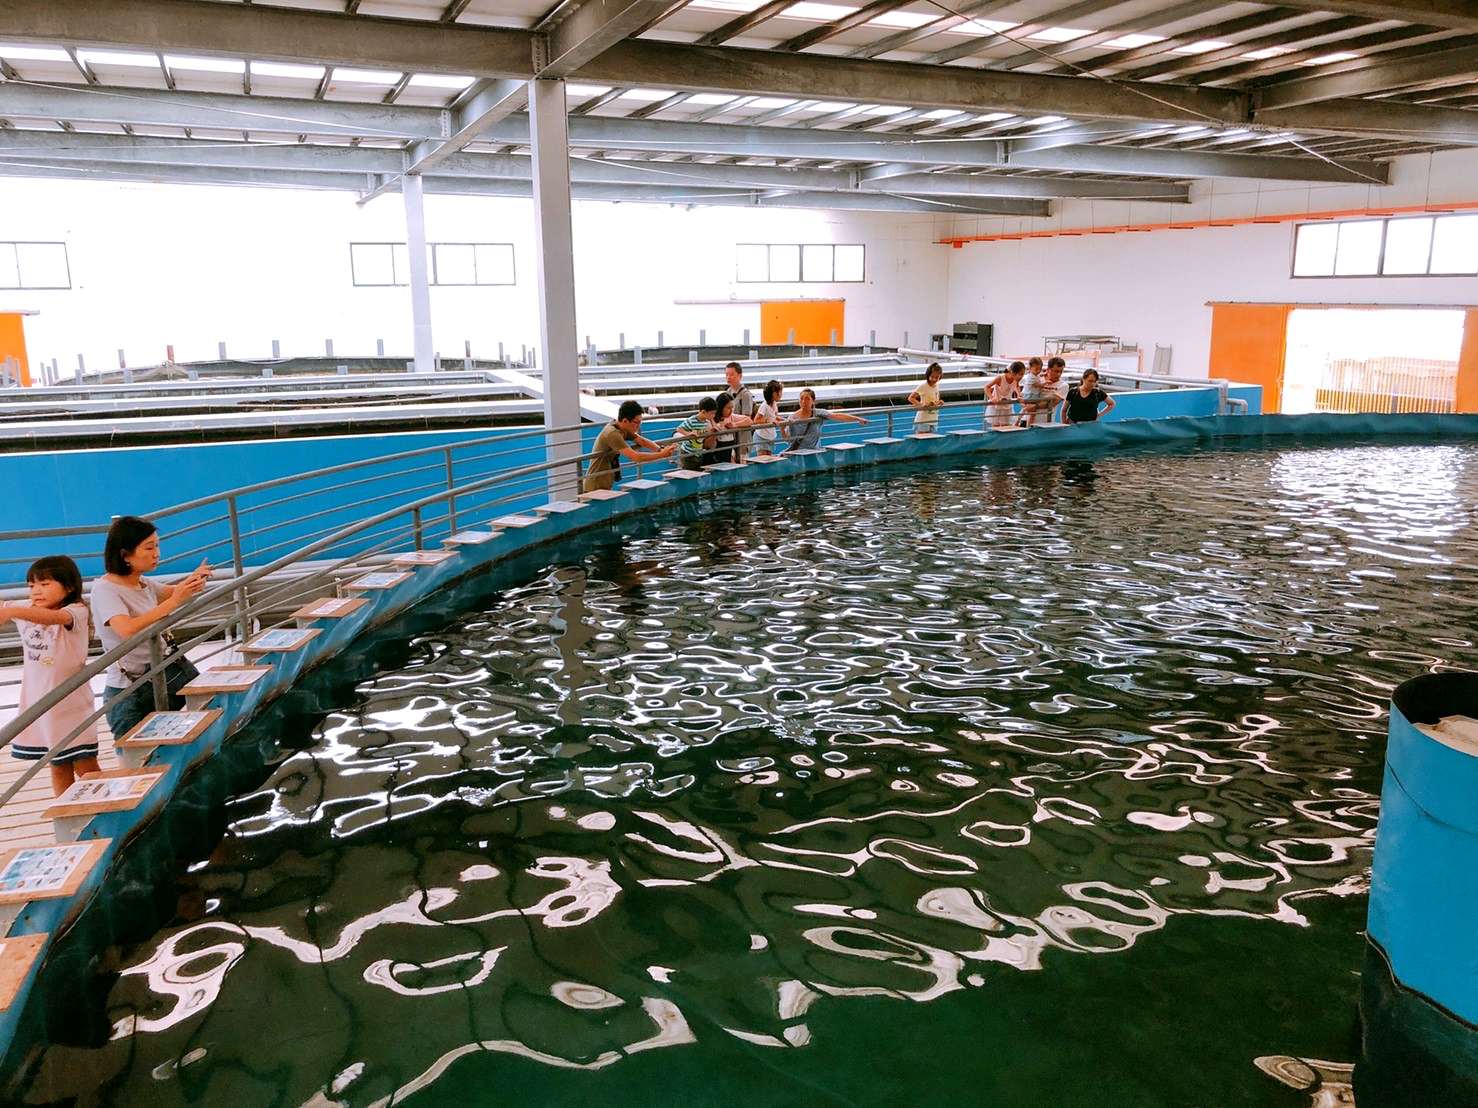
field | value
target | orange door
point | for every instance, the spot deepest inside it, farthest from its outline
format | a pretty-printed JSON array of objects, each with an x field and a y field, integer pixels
[
  {"x": 13, "y": 343},
  {"x": 1467, "y": 366},
  {"x": 1249, "y": 344},
  {"x": 813, "y": 321}
]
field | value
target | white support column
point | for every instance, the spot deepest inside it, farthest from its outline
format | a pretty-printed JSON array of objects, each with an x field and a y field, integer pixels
[
  {"x": 555, "y": 258},
  {"x": 415, "y": 247}
]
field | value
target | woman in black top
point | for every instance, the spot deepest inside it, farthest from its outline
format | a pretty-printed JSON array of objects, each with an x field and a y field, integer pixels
[{"x": 1081, "y": 405}]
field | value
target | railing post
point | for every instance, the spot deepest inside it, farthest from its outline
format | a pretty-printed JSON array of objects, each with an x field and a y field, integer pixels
[
  {"x": 238, "y": 594},
  {"x": 157, "y": 676},
  {"x": 416, "y": 524},
  {"x": 451, "y": 500},
  {"x": 890, "y": 423}
]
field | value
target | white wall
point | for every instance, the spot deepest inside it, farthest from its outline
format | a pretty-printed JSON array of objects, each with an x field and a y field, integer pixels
[
  {"x": 192, "y": 266},
  {"x": 1152, "y": 287}
]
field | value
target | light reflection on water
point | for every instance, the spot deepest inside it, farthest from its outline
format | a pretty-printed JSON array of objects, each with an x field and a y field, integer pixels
[{"x": 884, "y": 740}]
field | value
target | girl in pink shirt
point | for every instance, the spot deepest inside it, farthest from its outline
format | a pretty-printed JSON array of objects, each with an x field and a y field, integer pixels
[{"x": 54, "y": 634}]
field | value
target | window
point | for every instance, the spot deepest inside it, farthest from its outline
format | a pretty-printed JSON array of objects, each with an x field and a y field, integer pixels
[
  {"x": 1444, "y": 245},
  {"x": 34, "y": 265},
  {"x": 448, "y": 263},
  {"x": 786, "y": 262}
]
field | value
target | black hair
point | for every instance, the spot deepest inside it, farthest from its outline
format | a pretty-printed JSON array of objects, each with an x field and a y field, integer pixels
[
  {"x": 1016, "y": 367},
  {"x": 1033, "y": 361},
  {"x": 62, "y": 570},
  {"x": 630, "y": 409},
  {"x": 721, "y": 401},
  {"x": 736, "y": 367},
  {"x": 123, "y": 537},
  {"x": 1056, "y": 363},
  {"x": 933, "y": 366},
  {"x": 708, "y": 404},
  {"x": 809, "y": 392},
  {"x": 772, "y": 390}
]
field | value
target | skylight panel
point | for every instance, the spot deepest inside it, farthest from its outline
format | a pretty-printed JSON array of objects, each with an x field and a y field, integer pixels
[
  {"x": 187, "y": 64},
  {"x": 280, "y": 69},
  {"x": 33, "y": 53},
  {"x": 770, "y": 102},
  {"x": 587, "y": 90},
  {"x": 903, "y": 21},
  {"x": 441, "y": 80},
  {"x": 117, "y": 57},
  {"x": 647, "y": 95},
  {"x": 1056, "y": 34},
  {"x": 1265, "y": 53},
  {"x": 366, "y": 76},
  {"x": 1204, "y": 47},
  {"x": 731, "y": 6},
  {"x": 711, "y": 99},
  {"x": 1131, "y": 42},
  {"x": 982, "y": 27},
  {"x": 1042, "y": 120},
  {"x": 943, "y": 113},
  {"x": 819, "y": 13},
  {"x": 828, "y": 106},
  {"x": 992, "y": 117},
  {"x": 882, "y": 109},
  {"x": 1327, "y": 59}
]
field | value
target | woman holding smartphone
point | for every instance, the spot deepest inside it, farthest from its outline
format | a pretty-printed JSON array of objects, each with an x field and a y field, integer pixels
[{"x": 125, "y": 602}]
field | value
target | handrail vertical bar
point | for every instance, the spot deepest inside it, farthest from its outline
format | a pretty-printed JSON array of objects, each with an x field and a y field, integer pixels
[
  {"x": 451, "y": 498},
  {"x": 243, "y": 618},
  {"x": 416, "y": 526},
  {"x": 157, "y": 676}
]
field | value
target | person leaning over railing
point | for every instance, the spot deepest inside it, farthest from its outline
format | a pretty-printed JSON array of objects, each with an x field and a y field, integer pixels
[
  {"x": 125, "y": 602},
  {"x": 697, "y": 433},
  {"x": 53, "y": 630},
  {"x": 804, "y": 429},
  {"x": 614, "y": 443}
]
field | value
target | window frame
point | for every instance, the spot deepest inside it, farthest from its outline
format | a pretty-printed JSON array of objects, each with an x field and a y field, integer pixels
[
  {"x": 1379, "y": 272},
  {"x": 400, "y": 251},
  {"x": 800, "y": 249},
  {"x": 20, "y": 276}
]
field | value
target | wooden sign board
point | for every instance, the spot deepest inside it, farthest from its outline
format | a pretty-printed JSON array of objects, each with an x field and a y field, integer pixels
[
  {"x": 170, "y": 728},
  {"x": 45, "y": 872},
  {"x": 331, "y": 607},
  {"x": 281, "y": 640},
  {"x": 18, "y": 953}
]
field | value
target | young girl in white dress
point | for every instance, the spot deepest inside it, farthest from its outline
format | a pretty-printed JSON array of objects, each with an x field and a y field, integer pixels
[
  {"x": 54, "y": 634},
  {"x": 926, "y": 399},
  {"x": 1000, "y": 391},
  {"x": 767, "y": 417}
]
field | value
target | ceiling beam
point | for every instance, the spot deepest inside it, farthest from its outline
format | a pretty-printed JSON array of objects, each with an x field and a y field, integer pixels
[
  {"x": 1366, "y": 78},
  {"x": 1382, "y": 119},
  {"x": 1460, "y": 15},
  {"x": 1196, "y": 163},
  {"x": 222, "y": 111},
  {"x": 472, "y": 186},
  {"x": 266, "y": 33},
  {"x": 593, "y": 27},
  {"x": 354, "y": 163}
]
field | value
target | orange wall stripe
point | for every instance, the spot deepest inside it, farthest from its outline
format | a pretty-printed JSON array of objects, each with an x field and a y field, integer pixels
[{"x": 1190, "y": 225}]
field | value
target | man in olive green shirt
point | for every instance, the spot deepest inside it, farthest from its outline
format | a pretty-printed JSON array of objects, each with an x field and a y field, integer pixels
[{"x": 614, "y": 443}]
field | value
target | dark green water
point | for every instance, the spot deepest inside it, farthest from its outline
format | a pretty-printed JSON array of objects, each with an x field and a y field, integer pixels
[{"x": 1043, "y": 786}]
